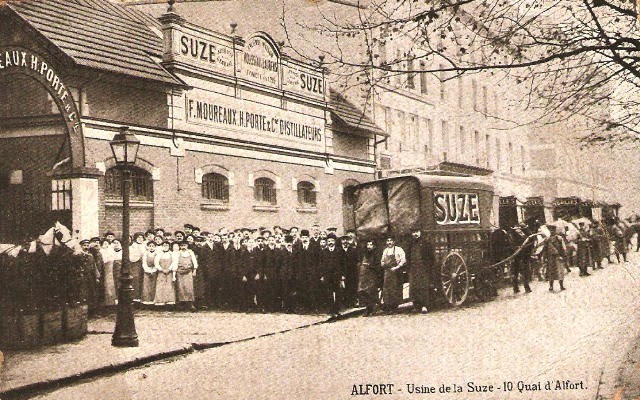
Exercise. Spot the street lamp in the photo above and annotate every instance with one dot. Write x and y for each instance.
(125, 151)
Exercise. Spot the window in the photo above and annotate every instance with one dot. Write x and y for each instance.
(215, 187)
(429, 139)
(484, 100)
(487, 150)
(306, 194)
(498, 154)
(474, 94)
(523, 160)
(141, 185)
(463, 143)
(60, 194)
(510, 155)
(424, 87)
(411, 75)
(476, 140)
(413, 131)
(402, 130)
(442, 82)
(385, 162)
(460, 91)
(264, 191)
(445, 139)
(387, 125)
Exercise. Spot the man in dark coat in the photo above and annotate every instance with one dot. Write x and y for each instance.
(269, 274)
(333, 275)
(226, 253)
(287, 273)
(209, 260)
(350, 269)
(247, 271)
(421, 262)
(306, 277)
(91, 277)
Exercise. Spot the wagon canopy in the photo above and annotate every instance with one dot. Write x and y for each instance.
(431, 202)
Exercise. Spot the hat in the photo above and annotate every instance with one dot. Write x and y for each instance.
(285, 231)
(109, 233)
(276, 227)
(84, 241)
(159, 229)
(332, 229)
(176, 233)
(183, 242)
(186, 226)
(150, 231)
(205, 233)
(332, 236)
(265, 231)
(354, 231)
(288, 239)
(245, 230)
(304, 232)
(345, 237)
(94, 239)
(199, 239)
(195, 228)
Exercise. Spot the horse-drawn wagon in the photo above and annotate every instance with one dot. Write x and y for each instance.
(453, 213)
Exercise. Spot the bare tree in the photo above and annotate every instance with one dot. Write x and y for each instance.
(568, 57)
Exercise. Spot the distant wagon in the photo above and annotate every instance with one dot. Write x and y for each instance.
(453, 213)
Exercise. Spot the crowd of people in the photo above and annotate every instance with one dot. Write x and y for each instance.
(242, 269)
(562, 250)
(300, 270)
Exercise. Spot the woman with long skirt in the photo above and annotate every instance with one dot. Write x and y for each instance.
(108, 256)
(150, 274)
(165, 264)
(187, 266)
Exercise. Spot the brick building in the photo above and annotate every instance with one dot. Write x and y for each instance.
(233, 131)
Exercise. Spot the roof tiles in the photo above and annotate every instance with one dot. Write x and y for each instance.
(98, 34)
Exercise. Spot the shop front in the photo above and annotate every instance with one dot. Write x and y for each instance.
(233, 132)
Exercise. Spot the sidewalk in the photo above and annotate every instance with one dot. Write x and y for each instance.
(162, 334)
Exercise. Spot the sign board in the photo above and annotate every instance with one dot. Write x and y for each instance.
(260, 62)
(454, 208)
(304, 81)
(204, 51)
(257, 122)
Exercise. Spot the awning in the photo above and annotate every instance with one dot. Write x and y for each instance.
(350, 116)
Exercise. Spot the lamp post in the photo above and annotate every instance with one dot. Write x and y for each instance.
(125, 151)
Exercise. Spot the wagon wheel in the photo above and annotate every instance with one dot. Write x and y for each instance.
(455, 279)
(484, 289)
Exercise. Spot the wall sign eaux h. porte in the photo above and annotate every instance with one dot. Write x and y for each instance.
(455, 208)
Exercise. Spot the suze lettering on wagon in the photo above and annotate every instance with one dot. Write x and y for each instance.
(452, 208)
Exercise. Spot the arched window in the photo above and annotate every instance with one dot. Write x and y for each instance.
(264, 190)
(215, 187)
(141, 184)
(306, 194)
(349, 196)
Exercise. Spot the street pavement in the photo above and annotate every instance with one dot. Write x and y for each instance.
(162, 334)
(542, 345)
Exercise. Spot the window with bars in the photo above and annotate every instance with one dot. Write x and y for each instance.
(141, 185)
(60, 194)
(264, 192)
(306, 194)
(215, 187)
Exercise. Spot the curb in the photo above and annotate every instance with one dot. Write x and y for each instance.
(47, 385)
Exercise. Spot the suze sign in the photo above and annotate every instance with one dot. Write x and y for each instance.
(455, 208)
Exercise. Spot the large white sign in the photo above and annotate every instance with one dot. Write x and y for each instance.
(303, 80)
(259, 62)
(256, 121)
(454, 208)
(204, 51)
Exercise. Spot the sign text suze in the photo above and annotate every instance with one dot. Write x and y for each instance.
(454, 208)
